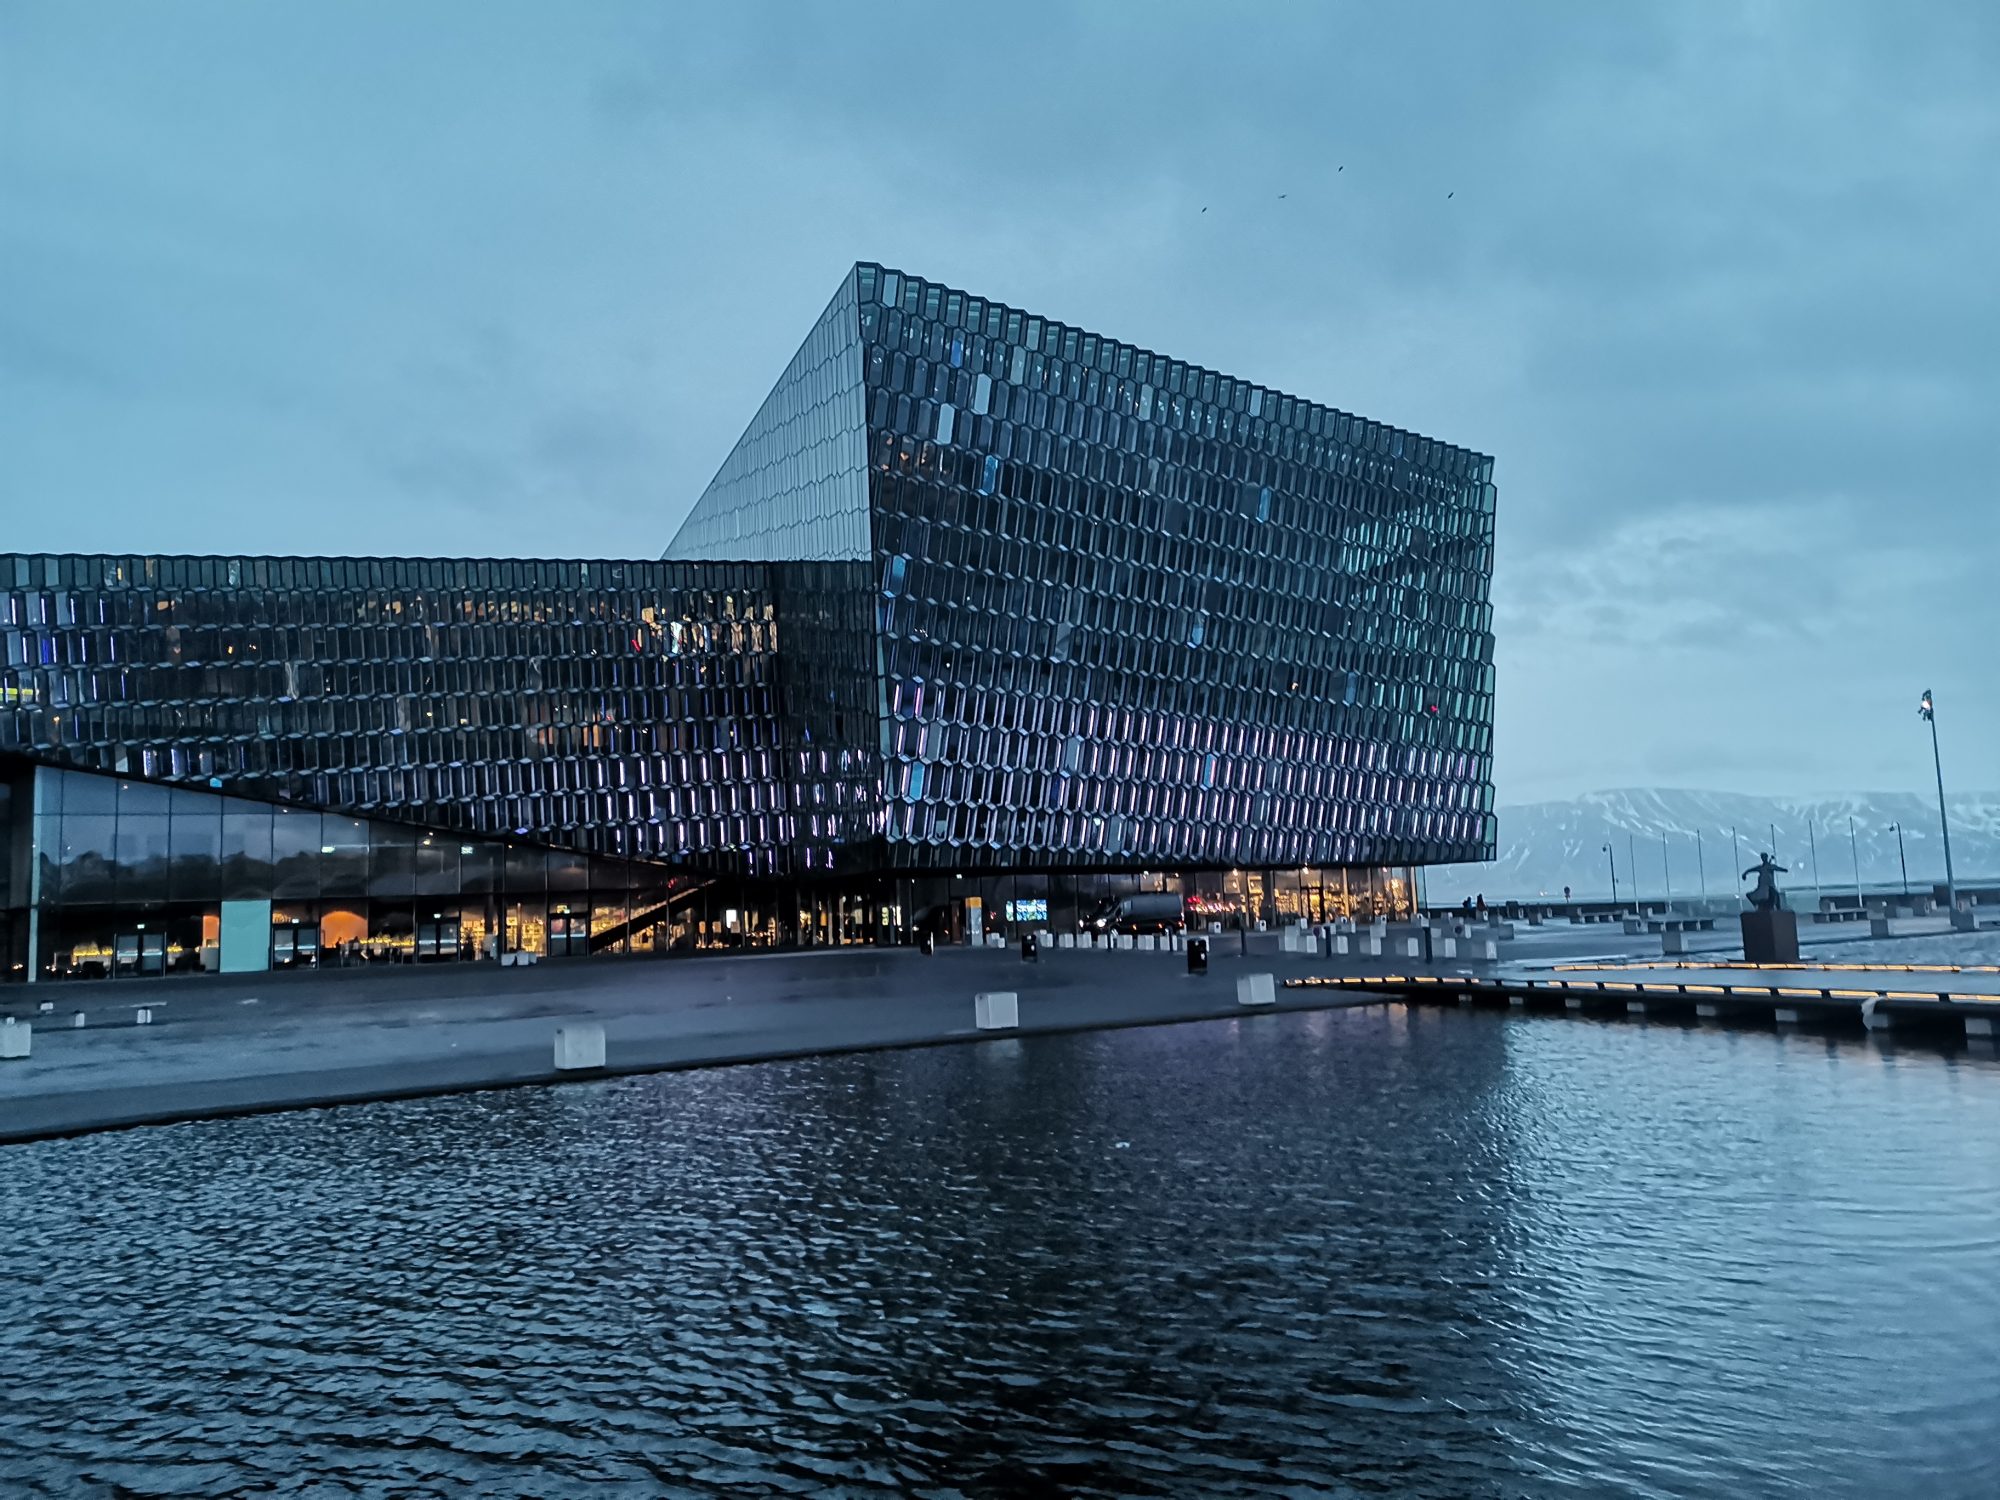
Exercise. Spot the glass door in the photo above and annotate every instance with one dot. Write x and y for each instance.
(569, 933)
(138, 954)
(294, 947)
(437, 939)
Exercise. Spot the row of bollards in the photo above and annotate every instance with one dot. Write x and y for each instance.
(17, 1038)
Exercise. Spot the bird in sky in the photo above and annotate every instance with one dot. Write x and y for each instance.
(1447, 195)
(1204, 208)
(1284, 195)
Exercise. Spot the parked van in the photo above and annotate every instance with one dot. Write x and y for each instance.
(1153, 911)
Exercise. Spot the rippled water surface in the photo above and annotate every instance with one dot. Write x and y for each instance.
(1362, 1252)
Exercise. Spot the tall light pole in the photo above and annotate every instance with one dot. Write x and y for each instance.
(1812, 847)
(1700, 867)
(1929, 711)
(1614, 873)
(1666, 872)
(1632, 866)
(1855, 849)
(1736, 860)
(1900, 858)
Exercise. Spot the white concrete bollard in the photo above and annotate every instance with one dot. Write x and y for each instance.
(47, 1006)
(142, 1016)
(1483, 948)
(996, 1010)
(17, 1038)
(579, 1046)
(1371, 945)
(1635, 1007)
(1445, 947)
(76, 1021)
(1066, 940)
(1256, 989)
(1412, 947)
(1981, 1026)
(1572, 1002)
(1785, 1016)
(1341, 944)
(1706, 1011)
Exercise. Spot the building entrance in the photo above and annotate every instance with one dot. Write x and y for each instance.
(437, 939)
(569, 933)
(295, 946)
(138, 953)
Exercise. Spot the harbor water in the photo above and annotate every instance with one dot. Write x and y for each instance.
(1376, 1251)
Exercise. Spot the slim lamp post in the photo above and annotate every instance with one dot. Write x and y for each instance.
(1614, 873)
(1900, 857)
(1666, 872)
(1812, 848)
(1700, 867)
(1854, 848)
(1929, 711)
(1632, 866)
(1735, 858)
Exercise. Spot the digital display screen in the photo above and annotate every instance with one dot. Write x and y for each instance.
(1035, 910)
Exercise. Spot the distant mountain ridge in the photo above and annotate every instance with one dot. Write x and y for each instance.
(1544, 846)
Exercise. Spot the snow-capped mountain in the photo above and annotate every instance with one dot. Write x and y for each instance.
(1544, 846)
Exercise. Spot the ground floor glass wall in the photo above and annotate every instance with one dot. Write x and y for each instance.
(116, 878)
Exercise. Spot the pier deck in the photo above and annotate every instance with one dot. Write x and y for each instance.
(1943, 999)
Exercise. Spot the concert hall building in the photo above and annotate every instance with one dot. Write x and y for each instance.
(985, 621)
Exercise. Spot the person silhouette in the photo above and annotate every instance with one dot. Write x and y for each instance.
(1764, 896)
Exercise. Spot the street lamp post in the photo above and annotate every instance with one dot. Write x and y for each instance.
(1854, 848)
(1929, 711)
(1632, 866)
(1736, 859)
(1666, 873)
(1812, 847)
(1900, 859)
(1700, 867)
(1614, 873)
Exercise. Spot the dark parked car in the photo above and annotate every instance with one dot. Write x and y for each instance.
(1149, 912)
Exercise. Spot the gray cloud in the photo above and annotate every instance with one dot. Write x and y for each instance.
(1713, 283)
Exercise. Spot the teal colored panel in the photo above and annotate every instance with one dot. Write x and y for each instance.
(246, 936)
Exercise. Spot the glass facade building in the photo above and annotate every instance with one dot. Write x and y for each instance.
(980, 605)
(1130, 611)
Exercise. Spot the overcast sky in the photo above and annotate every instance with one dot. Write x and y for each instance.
(1715, 283)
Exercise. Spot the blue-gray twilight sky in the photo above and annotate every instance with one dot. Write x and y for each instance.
(1715, 282)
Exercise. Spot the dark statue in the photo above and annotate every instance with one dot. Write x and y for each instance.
(1764, 894)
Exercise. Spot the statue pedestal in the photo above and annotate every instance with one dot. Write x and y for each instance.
(1770, 937)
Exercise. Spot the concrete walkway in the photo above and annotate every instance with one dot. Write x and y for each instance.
(246, 1043)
